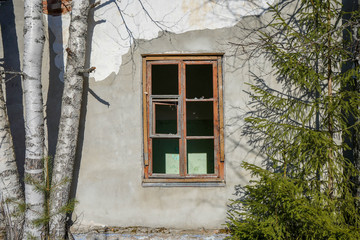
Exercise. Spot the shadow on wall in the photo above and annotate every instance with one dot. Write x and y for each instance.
(54, 11)
(11, 62)
(86, 90)
(248, 52)
(286, 121)
(58, 19)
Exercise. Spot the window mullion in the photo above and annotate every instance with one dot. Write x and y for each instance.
(182, 119)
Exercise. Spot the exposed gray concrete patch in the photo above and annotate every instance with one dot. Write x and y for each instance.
(143, 233)
(115, 236)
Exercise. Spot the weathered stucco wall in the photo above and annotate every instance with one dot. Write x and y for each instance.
(109, 188)
(112, 21)
(109, 170)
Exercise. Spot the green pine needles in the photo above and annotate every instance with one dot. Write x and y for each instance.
(307, 187)
(46, 188)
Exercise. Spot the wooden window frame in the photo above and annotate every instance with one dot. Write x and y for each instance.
(149, 102)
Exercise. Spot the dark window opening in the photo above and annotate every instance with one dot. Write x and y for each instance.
(200, 156)
(199, 81)
(199, 119)
(165, 156)
(166, 118)
(164, 79)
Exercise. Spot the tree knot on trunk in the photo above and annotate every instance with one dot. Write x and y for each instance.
(70, 53)
(88, 70)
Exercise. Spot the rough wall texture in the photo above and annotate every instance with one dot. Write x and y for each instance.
(109, 184)
(132, 233)
(109, 165)
(148, 236)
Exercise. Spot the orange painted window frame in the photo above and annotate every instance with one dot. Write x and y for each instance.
(182, 60)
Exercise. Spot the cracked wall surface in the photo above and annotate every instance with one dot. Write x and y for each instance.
(109, 188)
(109, 168)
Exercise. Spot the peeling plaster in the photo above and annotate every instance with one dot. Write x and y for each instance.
(111, 39)
(117, 24)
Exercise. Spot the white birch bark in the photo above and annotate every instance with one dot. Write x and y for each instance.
(11, 194)
(69, 120)
(34, 119)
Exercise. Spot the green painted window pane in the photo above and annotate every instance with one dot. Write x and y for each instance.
(199, 81)
(200, 156)
(199, 119)
(165, 155)
(166, 118)
(197, 163)
(171, 163)
(164, 80)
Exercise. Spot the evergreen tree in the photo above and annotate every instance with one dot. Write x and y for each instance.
(304, 189)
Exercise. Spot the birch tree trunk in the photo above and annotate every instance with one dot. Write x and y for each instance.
(34, 118)
(11, 194)
(69, 120)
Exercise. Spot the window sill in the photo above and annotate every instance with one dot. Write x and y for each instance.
(179, 183)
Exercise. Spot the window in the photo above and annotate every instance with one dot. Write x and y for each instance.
(183, 120)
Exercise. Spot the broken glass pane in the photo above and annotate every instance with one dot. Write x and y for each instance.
(199, 81)
(165, 118)
(199, 119)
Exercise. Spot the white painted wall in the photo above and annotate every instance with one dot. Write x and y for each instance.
(111, 39)
(114, 20)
